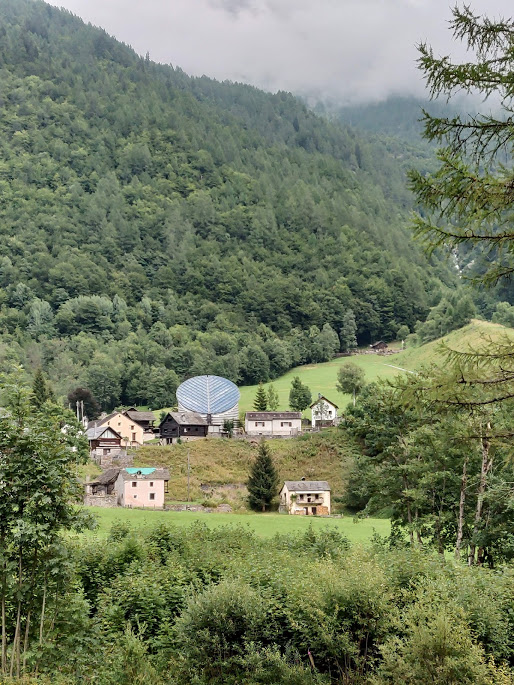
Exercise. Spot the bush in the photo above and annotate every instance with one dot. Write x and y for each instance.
(217, 627)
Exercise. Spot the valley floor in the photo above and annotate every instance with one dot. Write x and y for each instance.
(264, 525)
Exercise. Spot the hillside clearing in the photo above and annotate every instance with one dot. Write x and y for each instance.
(321, 378)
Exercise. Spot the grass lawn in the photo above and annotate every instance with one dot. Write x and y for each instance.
(264, 525)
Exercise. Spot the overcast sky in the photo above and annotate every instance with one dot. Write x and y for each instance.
(349, 50)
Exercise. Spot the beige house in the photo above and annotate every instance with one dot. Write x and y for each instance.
(269, 423)
(142, 487)
(132, 433)
(305, 497)
(323, 412)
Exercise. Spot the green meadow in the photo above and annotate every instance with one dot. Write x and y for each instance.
(321, 378)
(264, 525)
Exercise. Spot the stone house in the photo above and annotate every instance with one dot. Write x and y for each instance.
(323, 412)
(273, 423)
(186, 425)
(305, 497)
(379, 346)
(101, 491)
(142, 487)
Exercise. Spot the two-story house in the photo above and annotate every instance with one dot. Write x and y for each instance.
(305, 497)
(270, 423)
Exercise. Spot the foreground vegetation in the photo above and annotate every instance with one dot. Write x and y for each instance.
(204, 605)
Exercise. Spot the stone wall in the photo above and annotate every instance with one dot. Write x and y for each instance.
(119, 458)
(101, 500)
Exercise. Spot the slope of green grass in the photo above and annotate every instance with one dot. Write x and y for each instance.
(321, 378)
(264, 525)
(224, 465)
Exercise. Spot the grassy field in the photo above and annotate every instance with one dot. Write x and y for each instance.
(264, 525)
(321, 378)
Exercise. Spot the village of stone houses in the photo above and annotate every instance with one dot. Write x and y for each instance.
(208, 409)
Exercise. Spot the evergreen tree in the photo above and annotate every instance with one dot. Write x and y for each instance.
(263, 481)
(272, 398)
(467, 201)
(300, 396)
(261, 399)
(348, 332)
(40, 392)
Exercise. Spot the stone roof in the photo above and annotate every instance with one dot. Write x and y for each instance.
(188, 418)
(106, 478)
(136, 415)
(270, 415)
(306, 485)
(145, 474)
(102, 420)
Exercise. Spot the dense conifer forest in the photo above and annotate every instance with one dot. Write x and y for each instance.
(155, 226)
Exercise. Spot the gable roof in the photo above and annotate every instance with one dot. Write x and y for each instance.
(269, 415)
(139, 473)
(94, 432)
(187, 418)
(103, 419)
(322, 397)
(136, 415)
(306, 485)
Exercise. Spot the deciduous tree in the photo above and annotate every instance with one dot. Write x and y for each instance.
(300, 396)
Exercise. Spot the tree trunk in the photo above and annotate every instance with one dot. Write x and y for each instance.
(15, 655)
(409, 513)
(462, 502)
(487, 462)
(4, 627)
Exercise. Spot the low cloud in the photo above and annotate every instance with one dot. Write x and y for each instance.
(346, 50)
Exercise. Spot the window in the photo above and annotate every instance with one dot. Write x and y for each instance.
(133, 437)
(259, 423)
(119, 423)
(135, 496)
(286, 424)
(151, 483)
(131, 428)
(151, 495)
(134, 483)
(301, 496)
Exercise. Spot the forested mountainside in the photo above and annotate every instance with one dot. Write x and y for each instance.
(155, 226)
(397, 121)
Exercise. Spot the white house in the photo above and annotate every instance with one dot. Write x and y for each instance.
(305, 497)
(324, 412)
(280, 423)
